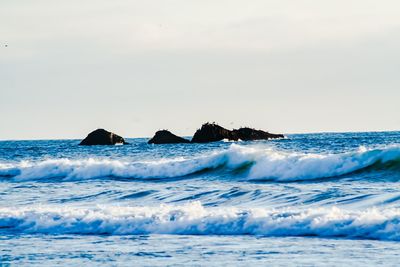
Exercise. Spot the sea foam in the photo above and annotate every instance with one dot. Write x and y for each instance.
(195, 219)
(258, 163)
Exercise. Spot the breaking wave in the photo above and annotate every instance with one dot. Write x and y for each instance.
(253, 162)
(194, 219)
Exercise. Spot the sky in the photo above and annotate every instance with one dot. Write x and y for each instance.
(134, 67)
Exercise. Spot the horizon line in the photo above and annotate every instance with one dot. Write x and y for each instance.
(138, 137)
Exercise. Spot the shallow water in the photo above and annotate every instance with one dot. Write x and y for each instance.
(307, 200)
(184, 250)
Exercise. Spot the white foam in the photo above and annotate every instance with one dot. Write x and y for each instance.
(194, 219)
(283, 166)
(94, 168)
(266, 163)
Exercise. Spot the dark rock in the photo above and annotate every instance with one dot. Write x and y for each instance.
(166, 137)
(249, 134)
(102, 137)
(211, 132)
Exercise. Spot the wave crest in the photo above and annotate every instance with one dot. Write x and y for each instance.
(258, 163)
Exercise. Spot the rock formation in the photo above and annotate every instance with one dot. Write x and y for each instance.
(249, 134)
(102, 137)
(166, 137)
(211, 132)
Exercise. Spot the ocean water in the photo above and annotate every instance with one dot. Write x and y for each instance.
(330, 199)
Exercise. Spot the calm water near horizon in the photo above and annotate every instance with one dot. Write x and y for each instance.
(330, 199)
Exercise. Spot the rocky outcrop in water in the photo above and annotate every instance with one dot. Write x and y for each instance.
(166, 137)
(102, 137)
(211, 132)
(249, 134)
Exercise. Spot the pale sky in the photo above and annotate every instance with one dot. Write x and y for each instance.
(133, 67)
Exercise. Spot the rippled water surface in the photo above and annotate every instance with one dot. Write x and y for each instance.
(312, 199)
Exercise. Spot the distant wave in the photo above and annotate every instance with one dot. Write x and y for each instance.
(194, 219)
(253, 162)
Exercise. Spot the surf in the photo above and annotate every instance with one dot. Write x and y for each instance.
(252, 163)
(195, 219)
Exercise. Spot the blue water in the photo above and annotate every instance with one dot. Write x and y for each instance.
(328, 199)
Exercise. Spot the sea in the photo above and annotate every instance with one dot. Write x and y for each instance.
(326, 199)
